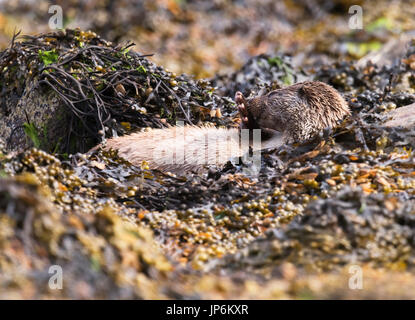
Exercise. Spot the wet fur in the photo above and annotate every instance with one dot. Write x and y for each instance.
(299, 111)
(186, 147)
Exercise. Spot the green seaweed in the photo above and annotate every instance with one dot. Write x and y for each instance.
(32, 132)
(48, 56)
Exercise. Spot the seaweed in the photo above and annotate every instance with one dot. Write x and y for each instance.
(104, 85)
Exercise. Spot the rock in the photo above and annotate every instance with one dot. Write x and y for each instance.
(402, 117)
(390, 54)
(46, 115)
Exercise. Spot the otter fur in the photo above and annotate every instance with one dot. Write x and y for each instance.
(292, 114)
(298, 112)
(181, 149)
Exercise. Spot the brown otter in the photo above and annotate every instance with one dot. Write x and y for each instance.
(298, 112)
(294, 113)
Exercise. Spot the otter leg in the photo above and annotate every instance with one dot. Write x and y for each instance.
(243, 112)
(244, 117)
(239, 98)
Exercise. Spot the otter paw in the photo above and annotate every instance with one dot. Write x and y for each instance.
(245, 124)
(243, 114)
(239, 98)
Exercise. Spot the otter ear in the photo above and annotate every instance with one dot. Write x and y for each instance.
(239, 97)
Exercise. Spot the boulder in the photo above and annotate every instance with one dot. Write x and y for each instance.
(402, 117)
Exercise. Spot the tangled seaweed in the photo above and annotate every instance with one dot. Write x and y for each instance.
(109, 89)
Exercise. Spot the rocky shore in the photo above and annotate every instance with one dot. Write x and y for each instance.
(298, 229)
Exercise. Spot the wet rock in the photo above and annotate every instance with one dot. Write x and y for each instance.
(35, 118)
(402, 117)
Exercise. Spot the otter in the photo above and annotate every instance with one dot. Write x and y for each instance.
(298, 112)
(292, 114)
(179, 148)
